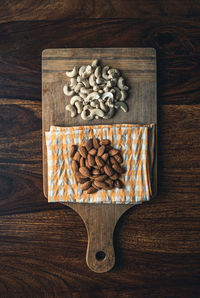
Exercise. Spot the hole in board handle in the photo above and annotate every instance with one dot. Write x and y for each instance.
(100, 255)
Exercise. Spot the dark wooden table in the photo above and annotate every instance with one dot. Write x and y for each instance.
(42, 246)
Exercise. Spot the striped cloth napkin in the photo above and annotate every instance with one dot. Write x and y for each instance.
(136, 143)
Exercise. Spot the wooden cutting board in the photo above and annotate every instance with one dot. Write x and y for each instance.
(138, 66)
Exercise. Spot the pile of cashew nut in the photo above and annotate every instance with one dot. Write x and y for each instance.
(95, 91)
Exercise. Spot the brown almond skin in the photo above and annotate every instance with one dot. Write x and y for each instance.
(100, 184)
(118, 169)
(118, 158)
(95, 143)
(82, 162)
(109, 182)
(84, 171)
(95, 186)
(99, 161)
(105, 142)
(108, 170)
(115, 176)
(73, 150)
(92, 190)
(83, 151)
(87, 165)
(101, 150)
(93, 152)
(118, 183)
(101, 177)
(102, 170)
(78, 175)
(86, 185)
(113, 161)
(82, 180)
(96, 172)
(95, 167)
(113, 152)
(108, 148)
(105, 156)
(75, 166)
(91, 160)
(89, 145)
(77, 156)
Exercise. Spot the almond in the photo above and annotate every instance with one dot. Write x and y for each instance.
(72, 151)
(82, 180)
(86, 185)
(102, 170)
(96, 172)
(84, 171)
(89, 145)
(118, 169)
(95, 167)
(92, 190)
(101, 150)
(113, 152)
(108, 170)
(95, 143)
(99, 161)
(82, 162)
(105, 142)
(118, 183)
(100, 184)
(118, 158)
(108, 148)
(113, 161)
(93, 152)
(101, 177)
(104, 156)
(87, 165)
(78, 176)
(75, 166)
(91, 160)
(109, 182)
(83, 151)
(77, 156)
(115, 176)
(95, 186)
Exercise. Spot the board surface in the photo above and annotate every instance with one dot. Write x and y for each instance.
(138, 66)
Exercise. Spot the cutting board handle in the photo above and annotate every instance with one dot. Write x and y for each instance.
(100, 221)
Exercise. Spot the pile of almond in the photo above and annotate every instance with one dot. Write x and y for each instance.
(97, 165)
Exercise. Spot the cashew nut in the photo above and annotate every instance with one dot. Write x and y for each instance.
(93, 96)
(82, 70)
(99, 81)
(72, 73)
(104, 72)
(107, 94)
(73, 82)
(109, 102)
(97, 72)
(71, 109)
(123, 95)
(95, 62)
(113, 73)
(78, 87)
(87, 72)
(92, 81)
(85, 90)
(117, 93)
(85, 82)
(67, 91)
(97, 112)
(103, 107)
(110, 113)
(74, 99)
(86, 113)
(79, 106)
(82, 95)
(122, 106)
(121, 85)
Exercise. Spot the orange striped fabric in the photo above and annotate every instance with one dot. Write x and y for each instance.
(136, 143)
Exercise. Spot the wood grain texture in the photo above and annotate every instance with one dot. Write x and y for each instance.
(138, 66)
(42, 246)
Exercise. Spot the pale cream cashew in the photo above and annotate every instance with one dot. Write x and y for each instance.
(78, 87)
(123, 95)
(103, 107)
(122, 106)
(85, 82)
(96, 87)
(79, 106)
(92, 81)
(73, 83)
(117, 93)
(120, 84)
(106, 89)
(100, 81)
(86, 113)
(104, 72)
(85, 90)
(97, 112)
(82, 95)
(67, 91)
(95, 63)
(72, 110)
(87, 72)
(93, 104)
(107, 95)
(113, 73)
(111, 83)
(109, 102)
(97, 72)
(82, 70)
(110, 113)
(93, 96)
(100, 91)
(74, 99)
(72, 73)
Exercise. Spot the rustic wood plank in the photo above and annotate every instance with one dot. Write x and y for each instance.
(54, 10)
